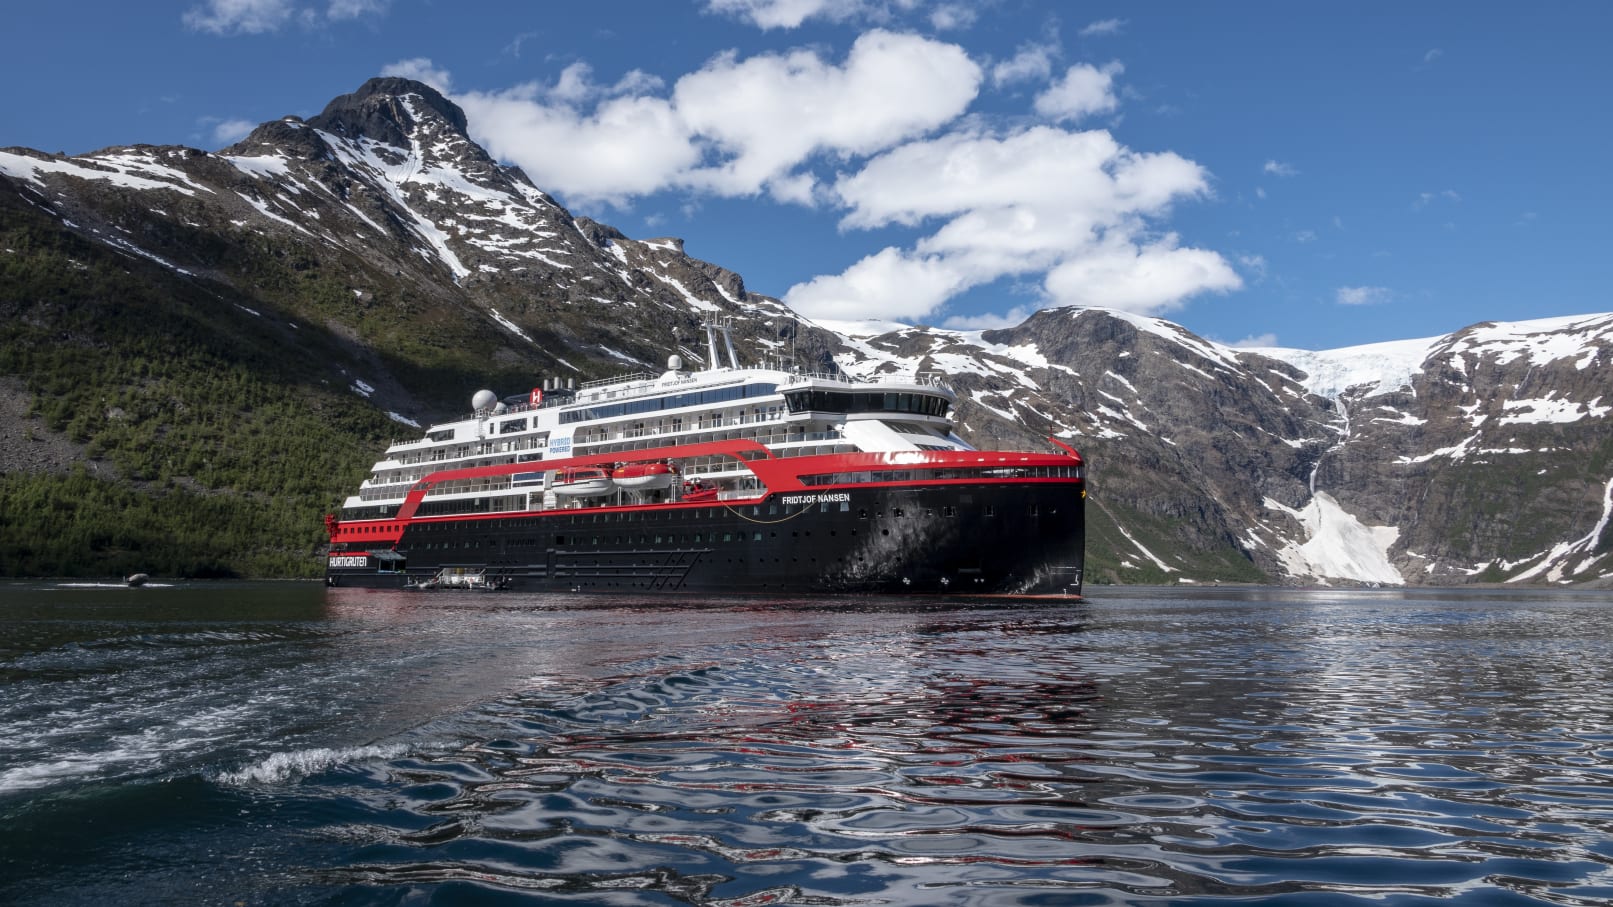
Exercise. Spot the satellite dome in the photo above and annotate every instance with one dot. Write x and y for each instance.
(674, 363)
(484, 399)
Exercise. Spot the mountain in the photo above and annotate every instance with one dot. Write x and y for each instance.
(200, 353)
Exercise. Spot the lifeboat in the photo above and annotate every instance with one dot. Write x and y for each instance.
(583, 482)
(643, 476)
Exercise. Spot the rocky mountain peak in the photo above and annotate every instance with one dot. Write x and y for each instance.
(388, 110)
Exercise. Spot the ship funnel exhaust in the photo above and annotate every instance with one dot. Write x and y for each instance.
(711, 346)
(728, 340)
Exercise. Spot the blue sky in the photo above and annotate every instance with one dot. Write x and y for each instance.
(1292, 173)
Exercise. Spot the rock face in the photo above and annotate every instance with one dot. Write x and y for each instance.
(1491, 452)
(431, 269)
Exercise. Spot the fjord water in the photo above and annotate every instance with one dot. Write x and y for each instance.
(288, 744)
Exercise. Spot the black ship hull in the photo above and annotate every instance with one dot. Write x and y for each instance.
(991, 538)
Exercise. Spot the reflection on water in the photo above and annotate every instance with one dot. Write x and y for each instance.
(1149, 746)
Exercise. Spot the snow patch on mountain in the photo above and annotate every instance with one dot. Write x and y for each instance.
(511, 326)
(1337, 545)
(1551, 410)
(1555, 565)
(1541, 340)
(120, 172)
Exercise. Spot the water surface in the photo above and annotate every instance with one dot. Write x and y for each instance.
(283, 743)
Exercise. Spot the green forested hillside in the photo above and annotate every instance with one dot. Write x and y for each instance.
(217, 429)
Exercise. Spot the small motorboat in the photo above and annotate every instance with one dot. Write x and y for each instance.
(698, 490)
(137, 579)
(583, 482)
(643, 476)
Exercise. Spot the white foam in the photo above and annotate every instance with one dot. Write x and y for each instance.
(282, 767)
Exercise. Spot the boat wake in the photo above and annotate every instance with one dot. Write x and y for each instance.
(279, 768)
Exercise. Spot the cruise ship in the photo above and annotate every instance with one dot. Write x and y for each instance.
(719, 480)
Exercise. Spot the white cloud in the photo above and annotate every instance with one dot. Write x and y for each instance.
(766, 114)
(243, 17)
(1278, 168)
(891, 283)
(1032, 63)
(1364, 295)
(624, 147)
(1140, 278)
(352, 9)
(1103, 27)
(1069, 214)
(1084, 90)
(735, 127)
(421, 70)
(253, 17)
(1071, 206)
(1425, 198)
(229, 132)
(1255, 341)
(990, 321)
(788, 13)
(953, 16)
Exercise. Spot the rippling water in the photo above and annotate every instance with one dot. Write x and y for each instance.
(248, 744)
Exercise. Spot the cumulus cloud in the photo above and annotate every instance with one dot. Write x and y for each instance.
(1071, 216)
(736, 127)
(620, 148)
(1151, 278)
(1364, 295)
(769, 112)
(1031, 63)
(1278, 168)
(1083, 91)
(420, 69)
(951, 16)
(1072, 206)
